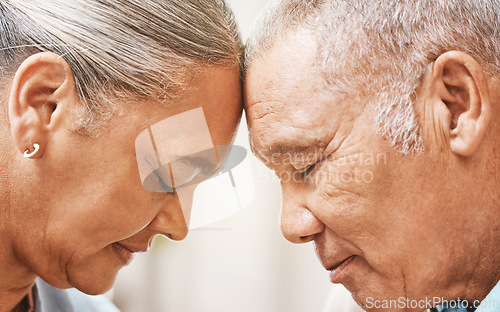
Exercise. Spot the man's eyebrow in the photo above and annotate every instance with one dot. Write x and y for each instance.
(290, 149)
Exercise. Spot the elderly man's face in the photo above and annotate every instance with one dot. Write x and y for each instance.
(384, 224)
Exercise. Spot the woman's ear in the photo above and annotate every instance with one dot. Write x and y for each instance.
(42, 91)
(460, 99)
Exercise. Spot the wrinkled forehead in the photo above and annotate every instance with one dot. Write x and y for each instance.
(280, 80)
(288, 104)
(286, 113)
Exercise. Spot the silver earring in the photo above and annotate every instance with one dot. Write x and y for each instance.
(27, 153)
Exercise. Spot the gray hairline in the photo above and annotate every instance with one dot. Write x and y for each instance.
(397, 121)
(165, 71)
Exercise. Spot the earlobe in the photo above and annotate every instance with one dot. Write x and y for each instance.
(462, 94)
(42, 84)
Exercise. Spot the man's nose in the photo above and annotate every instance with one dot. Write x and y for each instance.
(170, 221)
(298, 223)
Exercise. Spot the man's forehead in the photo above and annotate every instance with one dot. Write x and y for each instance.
(282, 143)
(288, 103)
(285, 70)
(283, 89)
(290, 128)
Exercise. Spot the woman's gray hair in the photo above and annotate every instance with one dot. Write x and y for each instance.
(121, 48)
(385, 47)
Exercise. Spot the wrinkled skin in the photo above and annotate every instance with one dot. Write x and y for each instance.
(418, 226)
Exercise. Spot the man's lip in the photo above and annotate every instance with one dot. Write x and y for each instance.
(337, 264)
(339, 271)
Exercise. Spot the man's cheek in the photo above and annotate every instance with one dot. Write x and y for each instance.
(337, 206)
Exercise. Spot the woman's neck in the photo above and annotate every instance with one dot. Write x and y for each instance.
(16, 281)
(10, 299)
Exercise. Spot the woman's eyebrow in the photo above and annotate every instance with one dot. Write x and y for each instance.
(197, 161)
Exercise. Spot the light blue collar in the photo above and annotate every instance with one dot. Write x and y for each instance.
(453, 306)
(490, 304)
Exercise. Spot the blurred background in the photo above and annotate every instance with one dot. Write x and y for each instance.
(240, 264)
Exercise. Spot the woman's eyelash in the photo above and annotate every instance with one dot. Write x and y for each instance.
(168, 190)
(309, 170)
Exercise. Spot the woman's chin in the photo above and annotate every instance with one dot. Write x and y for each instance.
(95, 286)
(92, 284)
(94, 291)
(92, 280)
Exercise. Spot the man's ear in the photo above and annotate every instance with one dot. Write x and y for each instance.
(42, 91)
(460, 90)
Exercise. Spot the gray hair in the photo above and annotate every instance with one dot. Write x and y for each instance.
(121, 48)
(385, 46)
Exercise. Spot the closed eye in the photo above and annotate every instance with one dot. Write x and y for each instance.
(169, 190)
(309, 170)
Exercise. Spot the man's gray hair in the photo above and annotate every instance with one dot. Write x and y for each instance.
(385, 47)
(121, 48)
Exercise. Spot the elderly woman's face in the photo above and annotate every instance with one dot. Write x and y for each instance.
(92, 210)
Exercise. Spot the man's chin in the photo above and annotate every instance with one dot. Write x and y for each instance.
(370, 300)
(360, 300)
(371, 303)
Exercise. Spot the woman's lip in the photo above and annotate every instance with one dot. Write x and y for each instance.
(123, 253)
(340, 272)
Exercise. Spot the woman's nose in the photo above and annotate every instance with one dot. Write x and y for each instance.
(170, 221)
(298, 223)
